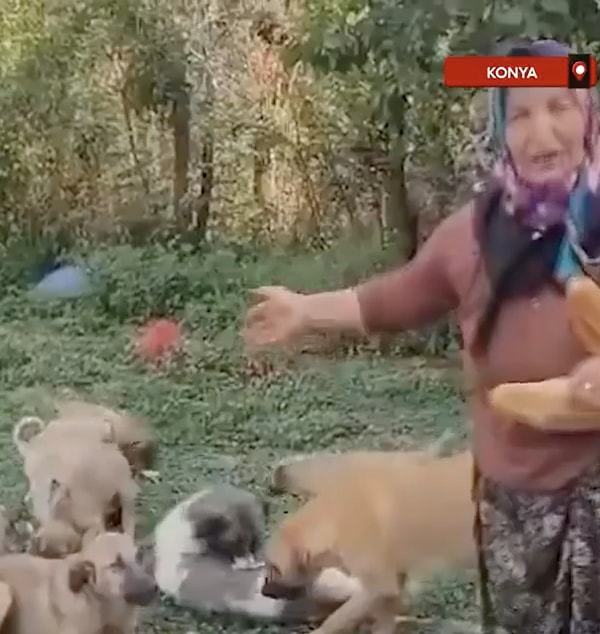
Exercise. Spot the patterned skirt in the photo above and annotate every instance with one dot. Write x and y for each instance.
(540, 558)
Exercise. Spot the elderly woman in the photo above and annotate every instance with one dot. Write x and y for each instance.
(500, 264)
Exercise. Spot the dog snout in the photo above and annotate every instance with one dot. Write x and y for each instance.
(275, 590)
(139, 588)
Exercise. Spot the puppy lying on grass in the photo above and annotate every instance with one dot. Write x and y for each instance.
(383, 517)
(77, 487)
(97, 590)
(206, 555)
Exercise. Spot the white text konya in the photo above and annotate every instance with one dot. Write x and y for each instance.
(511, 72)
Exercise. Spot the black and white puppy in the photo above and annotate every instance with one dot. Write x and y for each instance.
(228, 523)
(205, 556)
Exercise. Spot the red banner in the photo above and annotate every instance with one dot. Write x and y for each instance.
(475, 71)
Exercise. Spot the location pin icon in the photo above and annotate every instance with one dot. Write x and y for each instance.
(579, 71)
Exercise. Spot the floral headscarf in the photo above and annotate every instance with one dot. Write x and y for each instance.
(540, 206)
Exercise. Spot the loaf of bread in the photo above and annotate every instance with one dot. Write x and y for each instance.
(548, 405)
(584, 384)
(567, 403)
(583, 308)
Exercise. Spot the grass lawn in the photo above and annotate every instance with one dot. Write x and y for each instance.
(215, 422)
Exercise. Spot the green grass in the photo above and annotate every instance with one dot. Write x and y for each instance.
(214, 421)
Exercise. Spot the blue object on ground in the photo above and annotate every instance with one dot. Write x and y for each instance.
(44, 268)
(67, 282)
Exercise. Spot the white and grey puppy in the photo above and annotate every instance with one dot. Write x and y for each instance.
(205, 556)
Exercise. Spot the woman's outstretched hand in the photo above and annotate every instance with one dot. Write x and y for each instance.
(277, 317)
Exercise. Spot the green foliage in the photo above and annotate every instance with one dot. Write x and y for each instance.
(54, 128)
(215, 420)
(207, 288)
(396, 49)
(139, 283)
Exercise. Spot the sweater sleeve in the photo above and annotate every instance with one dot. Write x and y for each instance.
(417, 293)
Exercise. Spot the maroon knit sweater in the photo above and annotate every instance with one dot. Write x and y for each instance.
(532, 342)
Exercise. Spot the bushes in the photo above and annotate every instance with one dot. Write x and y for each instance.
(207, 289)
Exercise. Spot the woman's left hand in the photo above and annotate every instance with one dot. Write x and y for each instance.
(584, 382)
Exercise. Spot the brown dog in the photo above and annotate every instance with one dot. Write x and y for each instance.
(78, 485)
(382, 519)
(97, 590)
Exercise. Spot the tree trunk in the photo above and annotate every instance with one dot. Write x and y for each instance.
(207, 178)
(400, 218)
(262, 161)
(181, 150)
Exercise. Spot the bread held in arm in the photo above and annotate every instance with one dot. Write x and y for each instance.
(583, 307)
(567, 403)
(561, 404)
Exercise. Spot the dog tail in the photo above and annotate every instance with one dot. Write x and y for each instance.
(31, 422)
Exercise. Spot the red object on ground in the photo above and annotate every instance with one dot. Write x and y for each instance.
(158, 339)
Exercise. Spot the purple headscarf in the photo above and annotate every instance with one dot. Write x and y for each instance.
(539, 206)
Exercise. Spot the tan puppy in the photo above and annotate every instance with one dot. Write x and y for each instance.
(132, 434)
(95, 591)
(79, 484)
(382, 521)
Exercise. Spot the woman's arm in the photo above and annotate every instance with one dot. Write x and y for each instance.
(411, 296)
(416, 294)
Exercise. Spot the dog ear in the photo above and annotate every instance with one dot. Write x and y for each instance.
(211, 525)
(143, 452)
(80, 573)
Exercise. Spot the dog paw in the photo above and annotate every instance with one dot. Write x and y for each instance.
(151, 476)
(246, 563)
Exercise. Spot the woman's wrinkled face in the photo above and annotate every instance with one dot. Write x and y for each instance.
(545, 129)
